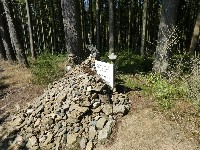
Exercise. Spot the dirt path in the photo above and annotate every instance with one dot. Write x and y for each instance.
(147, 129)
(15, 87)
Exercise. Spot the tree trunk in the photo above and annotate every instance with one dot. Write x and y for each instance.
(29, 22)
(13, 35)
(120, 26)
(5, 37)
(83, 24)
(54, 48)
(98, 26)
(111, 26)
(166, 37)
(144, 22)
(129, 25)
(91, 22)
(72, 28)
(196, 32)
(2, 50)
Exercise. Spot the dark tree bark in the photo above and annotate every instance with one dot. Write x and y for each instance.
(72, 28)
(144, 22)
(166, 37)
(5, 36)
(83, 18)
(2, 50)
(54, 48)
(13, 35)
(33, 53)
(196, 32)
(98, 26)
(111, 26)
(91, 22)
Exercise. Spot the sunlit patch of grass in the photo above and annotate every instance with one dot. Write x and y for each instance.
(164, 91)
(47, 68)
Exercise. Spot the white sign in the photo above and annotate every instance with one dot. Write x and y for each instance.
(105, 70)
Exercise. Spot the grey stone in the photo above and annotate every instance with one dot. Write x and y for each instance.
(101, 122)
(106, 131)
(29, 111)
(71, 138)
(37, 123)
(89, 145)
(96, 104)
(89, 88)
(107, 109)
(49, 138)
(17, 121)
(92, 132)
(62, 132)
(119, 109)
(31, 142)
(39, 109)
(83, 143)
(18, 140)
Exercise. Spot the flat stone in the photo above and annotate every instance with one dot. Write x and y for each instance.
(97, 110)
(37, 123)
(101, 122)
(107, 109)
(39, 109)
(17, 121)
(18, 140)
(71, 138)
(83, 143)
(89, 145)
(96, 104)
(85, 103)
(29, 111)
(119, 109)
(31, 142)
(92, 132)
(106, 131)
(62, 132)
(49, 138)
(89, 88)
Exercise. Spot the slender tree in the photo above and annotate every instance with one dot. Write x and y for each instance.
(111, 26)
(13, 35)
(5, 36)
(29, 22)
(144, 22)
(98, 25)
(2, 50)
(91, 22)
(196, 32)
(72, 28)
(166, 37)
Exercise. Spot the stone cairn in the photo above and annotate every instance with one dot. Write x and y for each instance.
(78, 108)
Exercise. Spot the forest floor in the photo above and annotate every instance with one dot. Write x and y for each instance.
(146, 127)
(15, 87)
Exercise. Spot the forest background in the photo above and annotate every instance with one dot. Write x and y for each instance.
(157, 42)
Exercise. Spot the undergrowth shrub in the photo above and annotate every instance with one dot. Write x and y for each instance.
(129, 62)
(47, 68)
(165, 90)
(193, 82)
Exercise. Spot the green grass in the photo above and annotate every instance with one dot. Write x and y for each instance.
(47, 68)
(130, 63)
(163, 90)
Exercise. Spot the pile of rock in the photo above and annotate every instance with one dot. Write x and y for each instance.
(79, 108)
